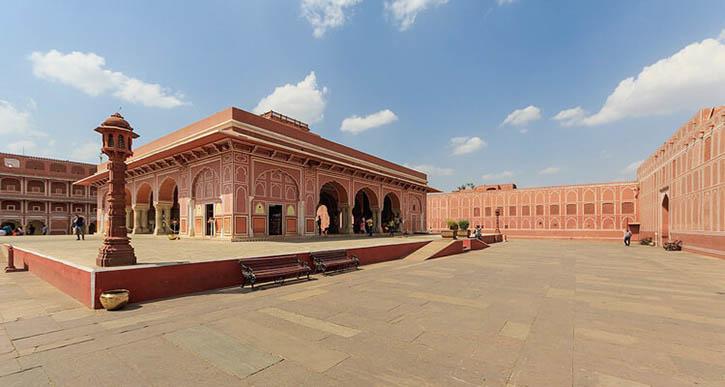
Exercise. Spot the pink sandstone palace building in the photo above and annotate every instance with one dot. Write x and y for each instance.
(37, 192)
(238, 175)
(679, 194)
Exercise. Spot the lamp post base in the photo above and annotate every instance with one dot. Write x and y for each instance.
(116, 252)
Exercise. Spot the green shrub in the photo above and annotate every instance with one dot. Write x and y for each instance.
(452, 225)
(463, 224)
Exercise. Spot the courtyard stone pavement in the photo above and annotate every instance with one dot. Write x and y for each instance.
(521, 313)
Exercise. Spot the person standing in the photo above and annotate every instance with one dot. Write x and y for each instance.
(627, 237)
(79, 225)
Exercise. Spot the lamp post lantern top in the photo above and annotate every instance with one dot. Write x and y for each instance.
(117, 136)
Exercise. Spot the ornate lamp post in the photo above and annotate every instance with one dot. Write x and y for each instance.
(117, 138)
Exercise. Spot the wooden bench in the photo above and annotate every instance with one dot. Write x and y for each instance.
(334, 260)
(267, 269)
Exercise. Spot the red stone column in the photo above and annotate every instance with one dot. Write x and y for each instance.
(117, 136)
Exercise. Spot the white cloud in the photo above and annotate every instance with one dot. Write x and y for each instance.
(632, 167)
(22, 147)
(356, 124)
(465, 145)
(325, 14)
(520, 117)
(88, 151)
(570, 117)
(303, 101)
(13, 120)
(404, 12)
(549, 171)
(431, 170)
(688, 80)
(87, 72)
(497, 176)
(722, 36)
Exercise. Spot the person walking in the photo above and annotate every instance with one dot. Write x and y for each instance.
(79, 227)
(369, 226)
(627, 237)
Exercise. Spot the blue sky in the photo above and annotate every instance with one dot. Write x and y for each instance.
(524, 91)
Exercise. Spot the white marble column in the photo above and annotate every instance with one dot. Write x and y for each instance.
(140, 217)
(377, 216)
(301, 217)
(158, 215)
(347, 211)
(190, 217)
(129, 218)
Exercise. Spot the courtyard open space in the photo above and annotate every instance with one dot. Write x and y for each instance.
(521, 313)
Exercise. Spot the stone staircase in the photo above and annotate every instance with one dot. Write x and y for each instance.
(428, 250)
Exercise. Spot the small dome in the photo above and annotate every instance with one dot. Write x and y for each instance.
(116, 120)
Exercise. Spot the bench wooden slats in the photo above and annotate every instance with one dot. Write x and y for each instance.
(267, 269)
(335, 260)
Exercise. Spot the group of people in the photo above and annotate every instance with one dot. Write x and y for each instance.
(394, 225)
(8, 230)
(366, 226)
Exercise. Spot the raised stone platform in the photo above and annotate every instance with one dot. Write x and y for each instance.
(169, 268)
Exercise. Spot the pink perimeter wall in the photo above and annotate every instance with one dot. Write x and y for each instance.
(599, 211)
(683, 186)
(679, 195)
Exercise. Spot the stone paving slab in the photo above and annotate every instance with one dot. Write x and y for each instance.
(223, 351)
(522, 313)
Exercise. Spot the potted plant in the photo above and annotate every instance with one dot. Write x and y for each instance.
(453, 226)
(463, 226)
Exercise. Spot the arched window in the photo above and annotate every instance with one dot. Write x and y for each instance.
(110, 140)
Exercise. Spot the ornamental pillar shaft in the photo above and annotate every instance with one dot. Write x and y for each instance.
(117, 136)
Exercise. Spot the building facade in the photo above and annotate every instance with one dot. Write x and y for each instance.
(576, 211)
(240, 175)
(37, 192)
(683, 185)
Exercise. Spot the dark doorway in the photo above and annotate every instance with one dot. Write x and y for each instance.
(665, 231)
(209, 214)
(275, 220)
(391, 208)
(175, 206)
(361, 211)
(151, 215)
(330, 202)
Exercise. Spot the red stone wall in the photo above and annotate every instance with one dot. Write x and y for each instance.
(600, 211)
(40, 191)
(687, 173)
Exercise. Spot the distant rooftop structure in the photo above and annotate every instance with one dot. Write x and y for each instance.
(496, 187)
(286, 120)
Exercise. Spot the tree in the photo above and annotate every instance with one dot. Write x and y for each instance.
(465, 186)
